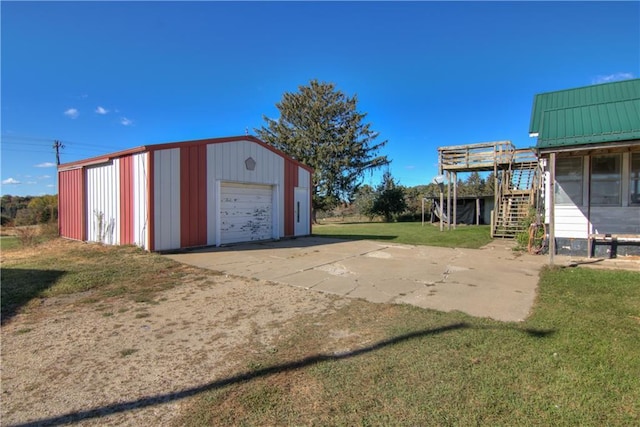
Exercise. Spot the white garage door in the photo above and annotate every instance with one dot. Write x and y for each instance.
(245, 212)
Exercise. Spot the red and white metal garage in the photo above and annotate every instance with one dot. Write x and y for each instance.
(186, 194)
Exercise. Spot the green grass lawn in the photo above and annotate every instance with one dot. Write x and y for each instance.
(8, 243)
(574, 362)
(412, 233)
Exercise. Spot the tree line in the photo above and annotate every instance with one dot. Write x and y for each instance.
(391, 201)
(28, 210)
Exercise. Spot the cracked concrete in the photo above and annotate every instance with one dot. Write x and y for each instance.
(490, 282)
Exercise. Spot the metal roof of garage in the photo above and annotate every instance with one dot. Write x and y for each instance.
(587, 115)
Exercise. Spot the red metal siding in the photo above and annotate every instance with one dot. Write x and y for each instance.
(193, 196)
(290, 183)
(71, 200)
(126, 201)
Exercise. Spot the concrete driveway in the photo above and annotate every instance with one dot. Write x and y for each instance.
(490, 282)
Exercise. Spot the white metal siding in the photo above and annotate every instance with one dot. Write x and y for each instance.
(304, 178)
(103, 203)
(245, 212)
(140, 200)
(166, 206)
(226, 163)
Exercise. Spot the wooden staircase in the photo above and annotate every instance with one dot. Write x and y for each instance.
(519, 182)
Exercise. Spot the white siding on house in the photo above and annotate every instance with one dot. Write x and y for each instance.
(103, 203)
(140, 200)
(226, 164)
(166, 205)
(571, 222)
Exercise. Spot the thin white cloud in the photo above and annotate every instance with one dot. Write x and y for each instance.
(31, 182)
(612, 78)
(50, 186)
(11, 181)
(126, 122)
(72, 113)
(46, 165)
(101, 110)
(44, 177)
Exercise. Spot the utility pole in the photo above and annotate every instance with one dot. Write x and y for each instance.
(57, 145)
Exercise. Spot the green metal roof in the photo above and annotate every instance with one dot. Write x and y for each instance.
(587, 115)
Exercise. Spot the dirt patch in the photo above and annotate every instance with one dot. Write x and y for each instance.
(132, 362)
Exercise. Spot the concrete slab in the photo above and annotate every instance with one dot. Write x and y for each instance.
(493, 282)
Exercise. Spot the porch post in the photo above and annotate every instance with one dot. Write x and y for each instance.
(552, 207)
(455, 199)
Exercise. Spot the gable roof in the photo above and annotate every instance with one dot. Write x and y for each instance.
(587, 115)
(168, 145)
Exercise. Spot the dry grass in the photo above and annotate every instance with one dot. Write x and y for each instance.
(88, 272)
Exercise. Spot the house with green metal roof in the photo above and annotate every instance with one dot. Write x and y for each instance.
(588, 140)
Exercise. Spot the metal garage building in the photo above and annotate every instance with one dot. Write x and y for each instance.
(186, 194)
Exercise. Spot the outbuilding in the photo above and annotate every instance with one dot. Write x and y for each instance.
(177, 195)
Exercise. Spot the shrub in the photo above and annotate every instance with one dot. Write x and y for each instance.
(27, 235)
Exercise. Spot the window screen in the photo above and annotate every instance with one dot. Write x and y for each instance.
(569, 180)
(634, 179)
(605, 180)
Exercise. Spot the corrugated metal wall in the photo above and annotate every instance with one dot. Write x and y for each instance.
(290, 182)
(304, 178)
(193, 196)
(166, 199)
(140, 200)
(71, 203)
(127, 204)
(103, 203)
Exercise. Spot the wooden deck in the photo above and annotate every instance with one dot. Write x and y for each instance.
(483, 157)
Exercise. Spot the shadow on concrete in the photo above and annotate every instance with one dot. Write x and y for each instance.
(248, 376)
(19, 286)
(289, 242)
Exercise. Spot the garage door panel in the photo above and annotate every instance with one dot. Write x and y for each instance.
(245, 213)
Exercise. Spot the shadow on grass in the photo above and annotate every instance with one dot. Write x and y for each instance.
(143, 402)
(19, 286)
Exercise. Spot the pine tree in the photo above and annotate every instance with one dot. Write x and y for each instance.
(389, 199)
(321, 127)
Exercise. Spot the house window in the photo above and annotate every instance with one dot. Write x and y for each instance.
(569, 180)
(634, 180)
(605, 180)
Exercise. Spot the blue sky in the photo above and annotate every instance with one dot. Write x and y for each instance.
(101, 77)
